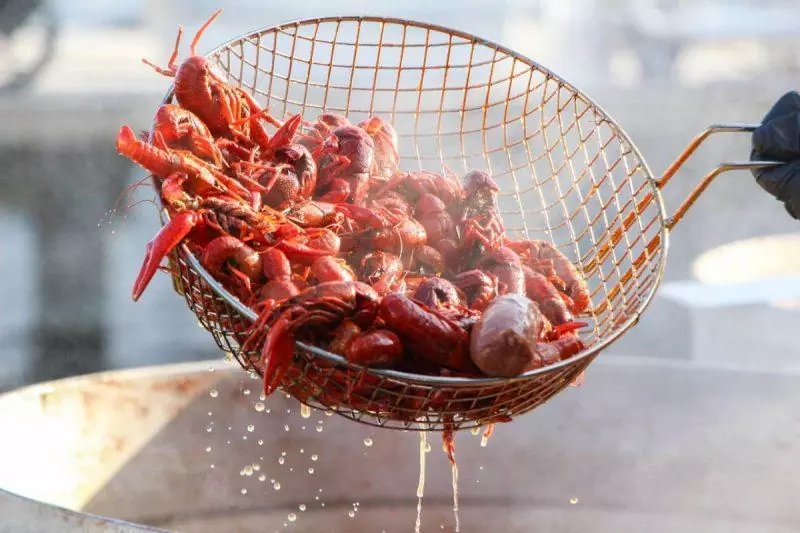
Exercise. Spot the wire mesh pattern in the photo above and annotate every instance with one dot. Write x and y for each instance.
(567, 174)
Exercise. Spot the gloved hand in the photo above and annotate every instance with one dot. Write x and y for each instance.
(778, 139)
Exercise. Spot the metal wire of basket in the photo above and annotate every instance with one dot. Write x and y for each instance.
(567, 173)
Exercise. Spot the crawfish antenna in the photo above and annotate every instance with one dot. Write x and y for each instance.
(203, 28)
(171, 68)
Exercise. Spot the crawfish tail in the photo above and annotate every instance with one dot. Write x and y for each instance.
(145, 155)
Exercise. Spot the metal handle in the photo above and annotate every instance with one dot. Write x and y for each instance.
(671, 221)
(708, 178)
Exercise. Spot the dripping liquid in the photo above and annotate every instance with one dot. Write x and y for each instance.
(423, 444)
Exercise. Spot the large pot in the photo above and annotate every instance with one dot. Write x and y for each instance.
(641, 447)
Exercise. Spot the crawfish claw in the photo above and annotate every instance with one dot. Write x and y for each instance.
(162, 244)
(277, 353)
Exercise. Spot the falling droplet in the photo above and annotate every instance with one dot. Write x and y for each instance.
(481, 467)
(305, 411)
(208, 448)
(246, 392)
(302, 507)
(213, 393)
(244, 491)
(484, 440)
(316, 498)
(314, 457)
(292, 517)
(328, 413)
(474, 431)
(248, 470)
(573, 500)
(276, 486)
(262, 477)
(209, 429)
(256, 467)
(322, 504)
(268, 411)
(310, 470)
(367, 442)
(281, 460)
(428, 448)
(212, 466)
(260, 406)
(260, 442)
(286, 427)
(283, 454)
(251, 428)
(302, 450)
(319, 428)
(351, 514)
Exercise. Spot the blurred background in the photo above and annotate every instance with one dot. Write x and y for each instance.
(71, 74)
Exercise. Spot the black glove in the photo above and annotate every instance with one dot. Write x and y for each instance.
(778, 139)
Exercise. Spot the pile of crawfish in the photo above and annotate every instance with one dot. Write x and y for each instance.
(316, 228)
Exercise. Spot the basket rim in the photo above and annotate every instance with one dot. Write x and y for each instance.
(422, 379)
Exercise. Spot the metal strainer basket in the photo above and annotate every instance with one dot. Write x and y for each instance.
(567, 172)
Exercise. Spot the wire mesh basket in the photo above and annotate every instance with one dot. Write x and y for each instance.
(567, 173)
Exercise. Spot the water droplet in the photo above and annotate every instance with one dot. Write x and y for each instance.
(484, 441)
(246, 392)
(211, 369)
(305, 411)
(314, 457)
(260, 442)
(251, 428)
(262, 477)
(302, 450)
(256, 467)
(302, 507)
(322, 504)
(213, 393)
(320, 490)
(209, 429)
(316, 498)
(212, 466)
(319, 428)
(244, 437)
(260, 406)
(208, 448)
(481, 467)
(292, 517)
(262, 396)
(268, 411)
(230, 428)
(328, 413)
(351, 514)
(288, 411)
(475, 430)
(573, 500)
(367, 442)
(283, 454)
(428, 448)
(477, 481)
(209, 413)
(281, 460)
(302, 428)
(248, 470)
(276, 486)
(286, 427)
(310, 470)
(244, 491)
(291, 469)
